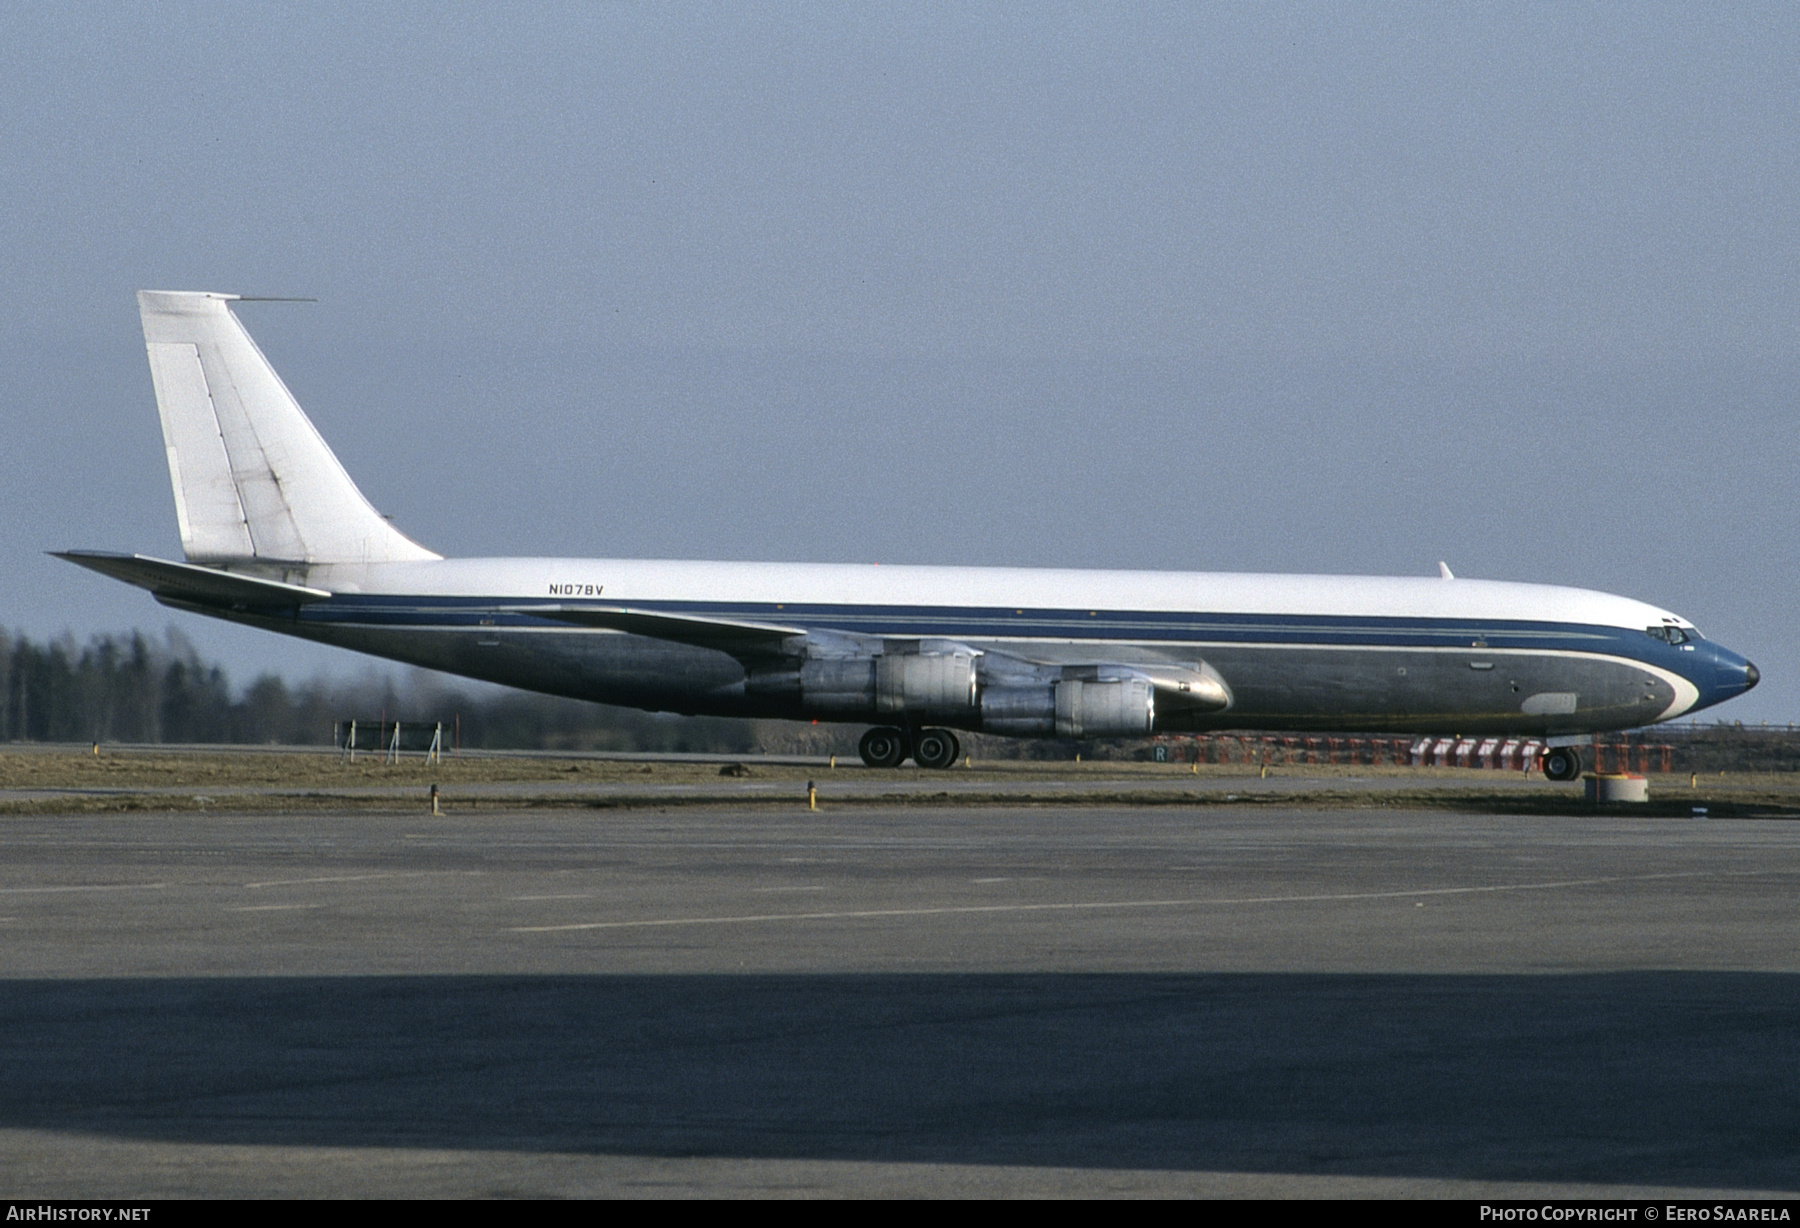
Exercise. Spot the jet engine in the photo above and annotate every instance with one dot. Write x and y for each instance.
(1072, 708)
(927, 685)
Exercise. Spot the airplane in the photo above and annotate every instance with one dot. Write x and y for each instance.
(276, 535)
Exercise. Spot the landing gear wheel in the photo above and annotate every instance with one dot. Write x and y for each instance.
(883, 747)
(1562, 763)
(936, 748)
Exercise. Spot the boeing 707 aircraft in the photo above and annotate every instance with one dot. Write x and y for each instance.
(277, 536)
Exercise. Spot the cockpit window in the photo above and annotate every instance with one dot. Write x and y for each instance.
(1668, 634)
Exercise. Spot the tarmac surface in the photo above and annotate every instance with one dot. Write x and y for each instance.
(839, 785)
(1052, 1000)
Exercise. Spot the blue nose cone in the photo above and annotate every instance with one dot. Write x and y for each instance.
(1720, 674)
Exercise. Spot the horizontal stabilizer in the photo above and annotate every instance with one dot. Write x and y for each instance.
(740, 639)
(196, 585)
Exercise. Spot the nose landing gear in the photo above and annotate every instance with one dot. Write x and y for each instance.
(1561, 763)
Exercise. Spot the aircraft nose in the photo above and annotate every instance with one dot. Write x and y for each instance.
(1720, 674)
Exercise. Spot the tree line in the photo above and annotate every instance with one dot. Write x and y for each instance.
(135, 687)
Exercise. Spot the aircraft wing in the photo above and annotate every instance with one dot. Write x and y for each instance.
(195, 585)
(1188, 686)
(739, 639)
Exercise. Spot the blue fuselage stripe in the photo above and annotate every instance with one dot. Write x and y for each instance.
(978, 623)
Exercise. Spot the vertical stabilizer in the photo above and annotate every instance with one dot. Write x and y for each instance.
(253, 478)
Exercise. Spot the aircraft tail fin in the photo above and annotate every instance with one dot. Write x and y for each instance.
(253, 477)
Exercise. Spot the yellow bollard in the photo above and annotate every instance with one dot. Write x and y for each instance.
(1265, 771)
(834, 763)
(96, 750)
(434, 800)
(1196, 767)
(812, 796)
(1694, 780)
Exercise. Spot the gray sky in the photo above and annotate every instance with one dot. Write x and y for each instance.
(1288, 288)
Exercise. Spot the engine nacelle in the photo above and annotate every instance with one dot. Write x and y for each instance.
(926, 683)
(1023, 711)
(1072, 708)
(938, 685)
(1125, 708)
(838, 687)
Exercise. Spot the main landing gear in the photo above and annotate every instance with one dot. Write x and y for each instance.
(1561, 763)
(886, 747)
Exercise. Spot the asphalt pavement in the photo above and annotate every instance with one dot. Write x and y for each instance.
(908, 1000)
